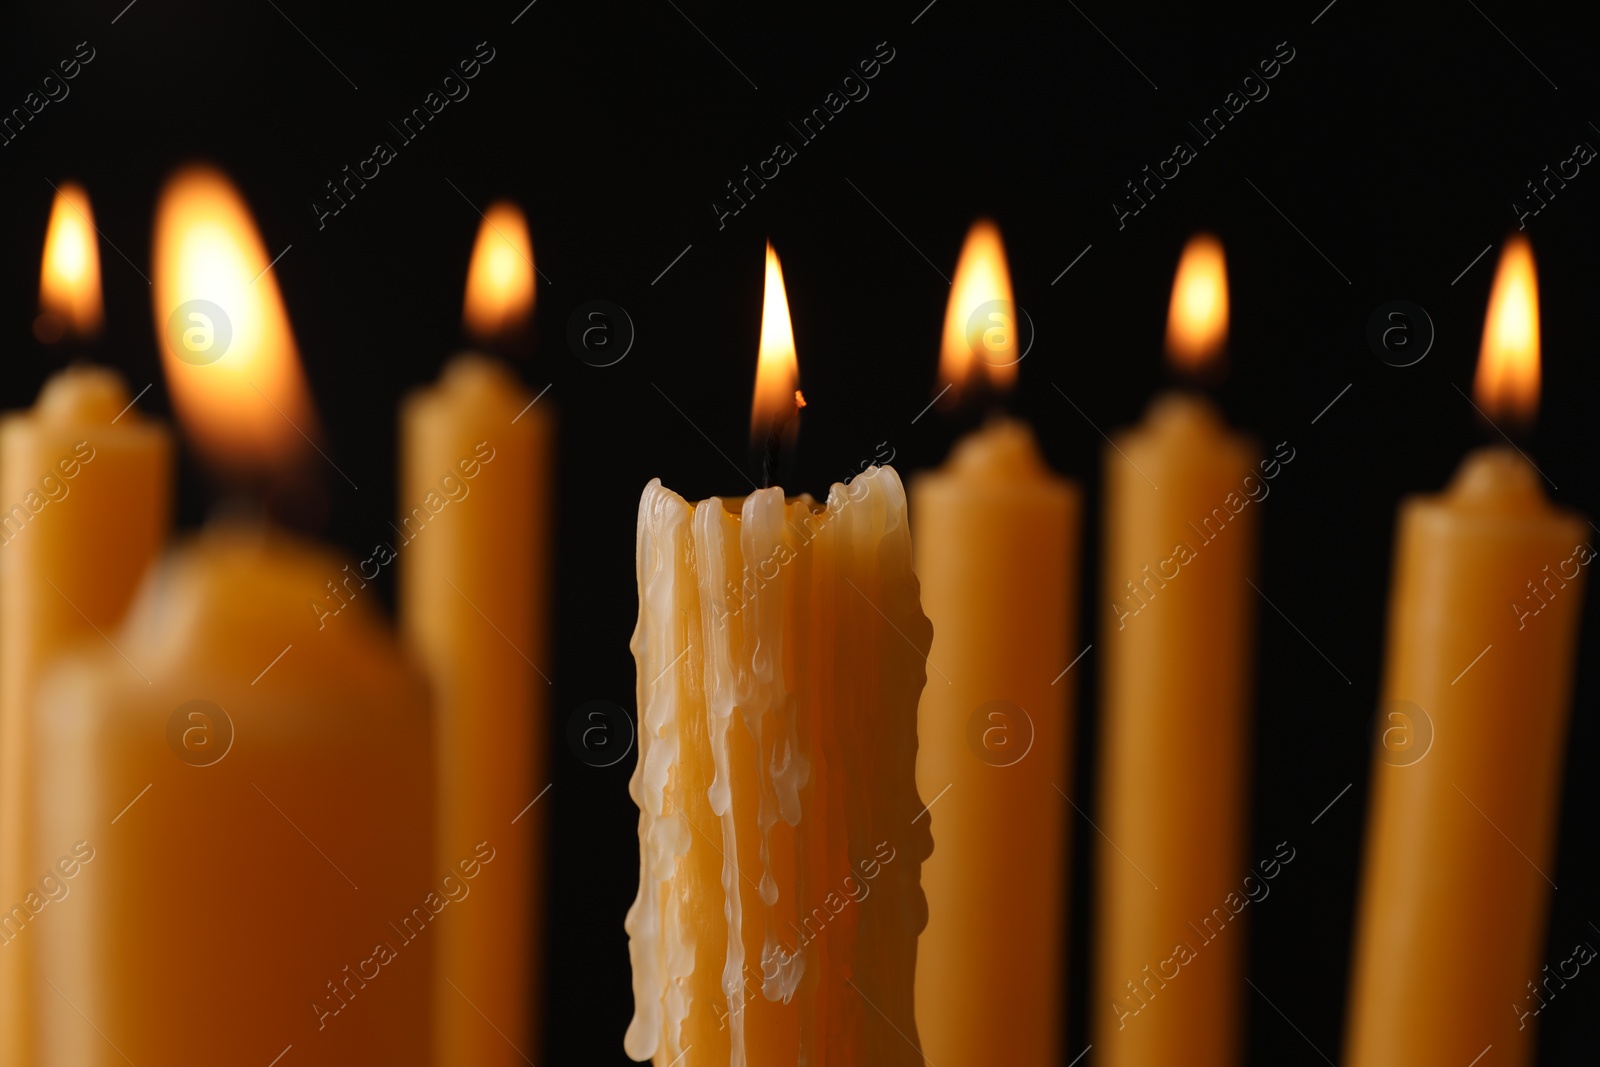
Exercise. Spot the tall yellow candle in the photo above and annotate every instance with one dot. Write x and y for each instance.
(473, 541)
(997, 555)
(79, 464)
(236, 791)
(780, 651)
(1180, 549)
(1483, 619)
(475, 485)
(87, 507)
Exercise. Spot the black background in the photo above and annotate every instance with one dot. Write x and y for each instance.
(1395, 141)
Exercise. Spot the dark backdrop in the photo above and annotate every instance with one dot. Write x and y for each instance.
(1385, 159)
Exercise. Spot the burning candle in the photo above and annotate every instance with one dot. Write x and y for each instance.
(780, 650)
(1483, 622)
(997, 554)
(1180, 548)
(474, 545)
(246, 794)
(80, 463)
(70, 303)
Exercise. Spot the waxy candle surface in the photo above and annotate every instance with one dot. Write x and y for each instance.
(472, 541)
(781, 650)
(231, 901)
(85, 483)
(1483, 618)
(997, 553)
(1180, 549)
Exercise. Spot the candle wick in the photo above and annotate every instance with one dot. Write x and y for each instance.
(772, 448)
(769, 455)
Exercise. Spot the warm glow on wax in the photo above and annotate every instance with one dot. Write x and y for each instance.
(1197, 321)
(229, 354)
(69, 277)
(1507, 383)
(500, 279)
(980, 326)
(777, 397)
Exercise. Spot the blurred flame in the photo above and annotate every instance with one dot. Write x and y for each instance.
(972, 330)
(246, 406)
(1507, 383)
(500, 279)
(777, 395)
(69, 277)
(1197, 320)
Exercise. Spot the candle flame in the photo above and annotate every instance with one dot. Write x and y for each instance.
(500, 278)
(1197, 320)
(777, 394)
(69, 277)
(1507, 384)
(227, 349)
(980, 319)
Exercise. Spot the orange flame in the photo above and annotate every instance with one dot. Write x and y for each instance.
(227, 348)
(980, 319)
(500, 278)
(69, 277)
(777, 395)
(1197, 320)
(1507, 384)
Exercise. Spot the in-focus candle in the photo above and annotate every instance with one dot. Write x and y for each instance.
(781, 650)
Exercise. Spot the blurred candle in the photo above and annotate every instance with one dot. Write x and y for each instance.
(80, 464)
(997, 537)
(473, 540)
(780, 651)
(69, 277)
(1483, 620)
(1180, 546)
(239, 794)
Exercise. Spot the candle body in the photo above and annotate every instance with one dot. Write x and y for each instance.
(248, 873)
(780, 653)
(1451, 920)
(86, 505)
(997, 540)
(1180, 549)
(473, 547)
